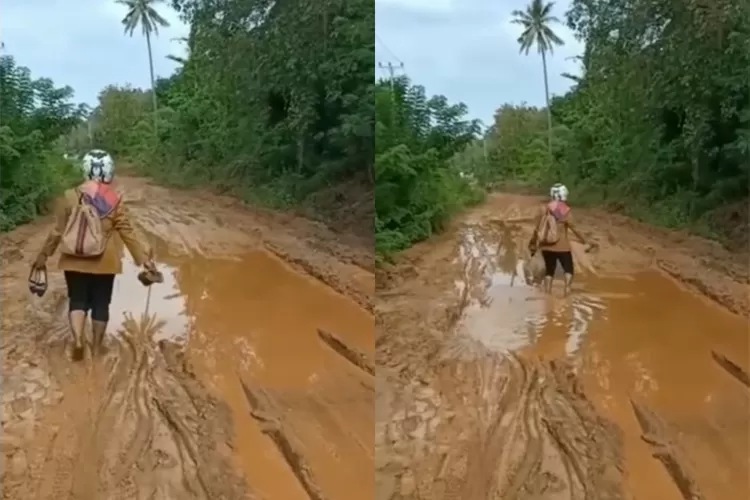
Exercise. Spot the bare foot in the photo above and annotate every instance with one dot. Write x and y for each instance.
(77, 352)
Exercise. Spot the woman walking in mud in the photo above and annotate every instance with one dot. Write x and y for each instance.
(87, 218)
(550, 236)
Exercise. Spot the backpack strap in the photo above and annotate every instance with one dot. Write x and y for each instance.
(540, 223)
(78, 195)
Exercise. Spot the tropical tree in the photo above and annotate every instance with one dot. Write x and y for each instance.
(143, 13)
(536, 21)
(181, 60)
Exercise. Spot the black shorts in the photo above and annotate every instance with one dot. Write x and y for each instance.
(552, 258)
(90, 292)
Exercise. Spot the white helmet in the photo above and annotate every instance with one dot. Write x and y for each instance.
(558, 192)
(99, 166)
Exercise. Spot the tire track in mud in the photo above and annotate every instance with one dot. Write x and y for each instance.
(265, 411)
(480, 425)
(352, 355)
(657, 434)
(512, 428)
(101, 442)
(534, 432)
(732, 368)
(268, 412)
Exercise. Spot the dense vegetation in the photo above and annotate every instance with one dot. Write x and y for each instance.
(273, 102)
(34, 114)
(657, 125)
(417, 188)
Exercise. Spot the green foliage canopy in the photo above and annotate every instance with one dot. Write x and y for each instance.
(273, 102)
(658, 122)
(34, 114)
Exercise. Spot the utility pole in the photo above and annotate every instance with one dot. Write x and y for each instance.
(391, 70)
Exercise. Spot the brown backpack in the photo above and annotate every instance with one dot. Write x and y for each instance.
(83, 235)
(547, 231)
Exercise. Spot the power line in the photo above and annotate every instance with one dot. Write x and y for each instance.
(377, 37)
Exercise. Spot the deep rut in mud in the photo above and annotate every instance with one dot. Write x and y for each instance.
(490, 390)
(247, 378)
(126, 428)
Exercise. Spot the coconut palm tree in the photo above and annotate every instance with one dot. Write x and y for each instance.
(143, 13)
(178, 59)
(536, 21)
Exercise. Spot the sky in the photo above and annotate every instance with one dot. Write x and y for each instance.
(467, 51)
(463, 49)
(85, 47)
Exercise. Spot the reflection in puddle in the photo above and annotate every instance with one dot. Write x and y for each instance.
(584, 308)
(506, 312)
(166, 301)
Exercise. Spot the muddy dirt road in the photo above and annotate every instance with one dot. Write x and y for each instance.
(633, 387)
(250, 376)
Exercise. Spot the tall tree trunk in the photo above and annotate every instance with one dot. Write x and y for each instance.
(549, 110)
(153, 84)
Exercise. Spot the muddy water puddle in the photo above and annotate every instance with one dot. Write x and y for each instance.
(504, 311)
(656, 349)
(640, 338)
(251, 324)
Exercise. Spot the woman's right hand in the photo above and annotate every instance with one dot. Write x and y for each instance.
(40, 262)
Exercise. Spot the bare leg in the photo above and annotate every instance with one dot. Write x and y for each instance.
(568, 283)
(77, 322)
(548, 284)
(98, 329)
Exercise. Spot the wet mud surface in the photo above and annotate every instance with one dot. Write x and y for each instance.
(635, 386)
(247, 374)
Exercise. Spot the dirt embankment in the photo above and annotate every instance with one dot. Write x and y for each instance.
(489, 390)
(348, 208)
(240, 377)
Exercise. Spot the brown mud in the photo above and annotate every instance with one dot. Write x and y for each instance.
(217, 384)
(633, 387)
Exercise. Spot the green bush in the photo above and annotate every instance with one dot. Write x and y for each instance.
(418, 189)
(32, 167)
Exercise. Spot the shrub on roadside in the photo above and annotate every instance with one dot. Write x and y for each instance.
(417, 188)
(33, 170)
